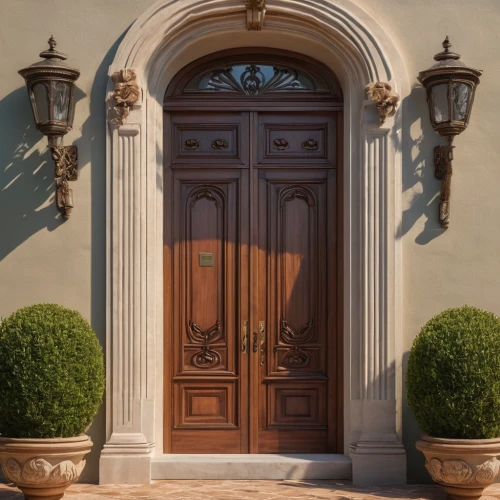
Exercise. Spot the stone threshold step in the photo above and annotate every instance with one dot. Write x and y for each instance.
(257, 466)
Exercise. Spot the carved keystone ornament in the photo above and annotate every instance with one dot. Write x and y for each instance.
(385, 100)
(256, 11)
(125, 94)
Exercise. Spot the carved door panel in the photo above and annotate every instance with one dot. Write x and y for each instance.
(250, 248)
(204, 352)
(296, 311)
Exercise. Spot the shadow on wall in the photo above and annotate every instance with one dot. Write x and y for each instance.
(27, 186)
(27, 193)
(420, 186)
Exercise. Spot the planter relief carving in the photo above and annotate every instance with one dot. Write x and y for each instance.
(38, 471)
(459, 472)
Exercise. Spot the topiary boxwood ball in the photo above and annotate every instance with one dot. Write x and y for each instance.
(453, 378)
(51, 373)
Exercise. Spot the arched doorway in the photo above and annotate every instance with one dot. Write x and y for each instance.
(354, 46)
(253, 354)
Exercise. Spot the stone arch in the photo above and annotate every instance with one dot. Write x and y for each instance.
(167, 37)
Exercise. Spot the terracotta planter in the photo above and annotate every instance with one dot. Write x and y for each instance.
(463, 466)
(43, 468)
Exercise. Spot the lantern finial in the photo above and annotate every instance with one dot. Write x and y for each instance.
(446, 54)
(446, 44)
(52, 53)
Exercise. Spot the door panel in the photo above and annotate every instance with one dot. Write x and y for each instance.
(250, 283)
(291, 138)
(294, 297)
(218, 139)
(206, 308)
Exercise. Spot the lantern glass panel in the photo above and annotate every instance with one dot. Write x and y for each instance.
(461, 98)
(61, 93)
(440, 102)
(41, 94)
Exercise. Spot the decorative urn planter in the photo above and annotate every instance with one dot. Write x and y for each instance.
(464, 467)
(43, 468)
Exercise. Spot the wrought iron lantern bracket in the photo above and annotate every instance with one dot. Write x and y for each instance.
(51, 88)
(450, 86)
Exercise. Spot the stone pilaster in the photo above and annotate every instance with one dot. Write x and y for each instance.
(127, 453)
(378, 456)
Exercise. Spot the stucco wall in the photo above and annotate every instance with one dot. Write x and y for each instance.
(44, 260)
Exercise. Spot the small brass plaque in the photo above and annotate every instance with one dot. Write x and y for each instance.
(206, 259)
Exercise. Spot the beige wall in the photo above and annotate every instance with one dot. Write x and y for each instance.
(43, 260)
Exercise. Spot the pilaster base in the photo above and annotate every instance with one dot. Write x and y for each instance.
(377, 463)
(126, 459)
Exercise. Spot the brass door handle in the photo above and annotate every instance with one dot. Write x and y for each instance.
(262, 331)
(244, 335)
(255, 348)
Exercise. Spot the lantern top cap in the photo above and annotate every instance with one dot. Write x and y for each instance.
(446, 54)
(52, 53)
(52, 63)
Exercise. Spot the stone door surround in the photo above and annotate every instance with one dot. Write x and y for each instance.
(167, 37)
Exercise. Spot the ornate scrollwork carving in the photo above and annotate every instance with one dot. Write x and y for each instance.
(281, 144)
(206, 358)
(207, 194)
(38, 471)
(253, 82)
(460, 472)
(292, 192)
(385, 100)
(310, 145)
(66, 169)
(302, 335)
(125, 94)
(208, 336)
(220, 144)
(256, 11)
(295, 358)
(191, 145)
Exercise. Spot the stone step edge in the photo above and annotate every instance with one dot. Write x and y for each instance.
(255, 466)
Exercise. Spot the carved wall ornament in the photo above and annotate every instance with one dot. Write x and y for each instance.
(66, 169)
(125, 94)
(256, 12)
(385, 100)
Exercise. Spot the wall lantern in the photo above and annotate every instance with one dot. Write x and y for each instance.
(450, 88)
(51, 87)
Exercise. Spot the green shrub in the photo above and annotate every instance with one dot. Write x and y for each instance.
(51, 373)
(453, 377)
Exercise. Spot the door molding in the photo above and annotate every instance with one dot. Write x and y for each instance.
(167, 37)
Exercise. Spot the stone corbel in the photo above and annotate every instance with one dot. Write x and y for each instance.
(385, 100)
(256, 11)
(125, 94)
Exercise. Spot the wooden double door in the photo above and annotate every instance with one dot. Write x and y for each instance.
(252, 362)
